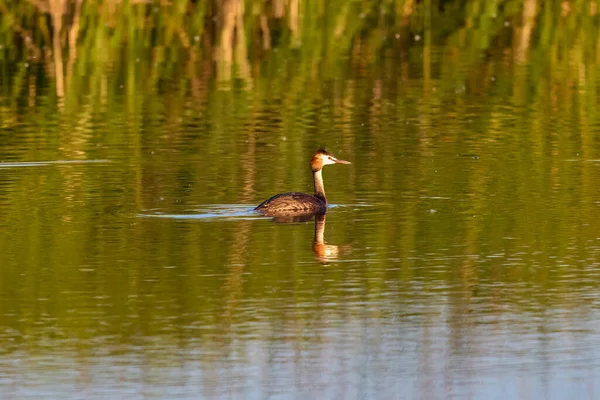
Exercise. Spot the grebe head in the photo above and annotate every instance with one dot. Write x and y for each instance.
(322, 158)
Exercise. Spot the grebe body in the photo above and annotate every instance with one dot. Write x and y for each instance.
(295, 203)
(292, 203)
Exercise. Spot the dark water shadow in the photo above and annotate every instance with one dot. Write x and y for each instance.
(27, 164)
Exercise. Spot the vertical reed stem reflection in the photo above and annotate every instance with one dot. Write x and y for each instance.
(57, 11)
(528, 23)
(427, 48)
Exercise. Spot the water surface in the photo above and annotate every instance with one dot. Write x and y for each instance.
(460, 259)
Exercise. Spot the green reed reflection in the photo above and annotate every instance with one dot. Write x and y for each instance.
(98, 46)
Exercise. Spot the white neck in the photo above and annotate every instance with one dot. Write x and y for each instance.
(319, 188)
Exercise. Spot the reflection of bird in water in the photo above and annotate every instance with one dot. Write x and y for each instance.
(296, 203)
(323, 252)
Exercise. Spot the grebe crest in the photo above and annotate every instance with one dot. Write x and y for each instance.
(296, 203)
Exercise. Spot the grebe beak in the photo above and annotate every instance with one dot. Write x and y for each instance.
(341, 161)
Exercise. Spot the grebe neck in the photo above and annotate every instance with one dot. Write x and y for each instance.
(319, 188)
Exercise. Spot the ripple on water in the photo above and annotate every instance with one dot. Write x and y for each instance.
(206, 212)
(220, 211)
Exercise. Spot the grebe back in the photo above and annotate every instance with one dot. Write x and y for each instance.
(302, 203)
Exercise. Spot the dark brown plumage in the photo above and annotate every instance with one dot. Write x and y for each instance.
(292, 203)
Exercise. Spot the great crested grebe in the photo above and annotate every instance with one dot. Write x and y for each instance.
(294, 203)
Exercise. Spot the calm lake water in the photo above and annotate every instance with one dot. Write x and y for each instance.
(460, 257)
